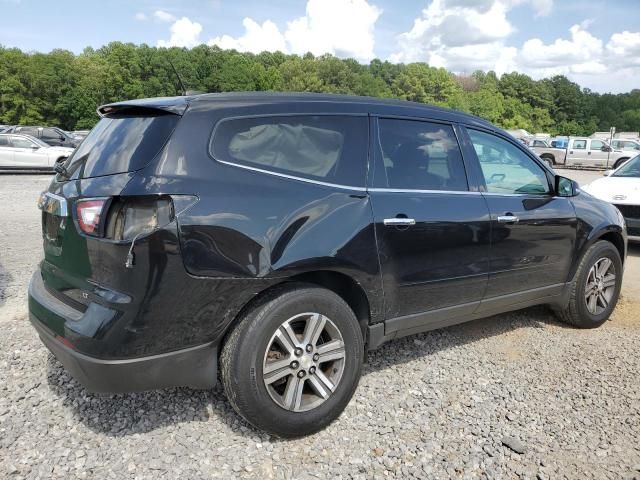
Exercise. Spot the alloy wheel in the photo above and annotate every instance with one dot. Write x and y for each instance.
(600, 287)
(304, 362)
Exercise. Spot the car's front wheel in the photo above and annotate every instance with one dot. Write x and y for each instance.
(292, 363)
(595, 288)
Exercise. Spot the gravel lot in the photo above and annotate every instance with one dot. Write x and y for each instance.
(516, 395)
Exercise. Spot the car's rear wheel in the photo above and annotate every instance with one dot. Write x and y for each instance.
(292, 363)
(595, 288)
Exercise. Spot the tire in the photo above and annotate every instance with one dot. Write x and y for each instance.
(577, 312)
(258, 341)
(549, 160)
(620, 162)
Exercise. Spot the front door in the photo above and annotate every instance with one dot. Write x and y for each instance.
(596, 156)
(6, 152)
(28, 153)
(533, 231)
(432, 231)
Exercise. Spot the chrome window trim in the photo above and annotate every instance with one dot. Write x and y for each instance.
(292, 177)
(409, 190)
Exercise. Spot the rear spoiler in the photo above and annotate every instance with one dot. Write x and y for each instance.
(174, 105)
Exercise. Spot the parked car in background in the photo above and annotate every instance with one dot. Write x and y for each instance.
(583, 152)
(622, 188)
(25, 152)
(258, 232)
(80, 134)
(625, 144)
(52, 136)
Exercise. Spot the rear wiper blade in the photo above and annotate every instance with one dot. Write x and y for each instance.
(61, 170)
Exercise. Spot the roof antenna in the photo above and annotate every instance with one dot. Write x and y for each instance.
(184, 91)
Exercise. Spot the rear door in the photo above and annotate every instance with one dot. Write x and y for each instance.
(533, 231)
(577, 152)
(432, 230)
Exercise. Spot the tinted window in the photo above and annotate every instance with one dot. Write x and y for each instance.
(324, 147)
(597, 144)
(539, 143)
(580, 144)
(121, 143)
(420, 156)
(50, 133)
(4, 141)
(629, 169)
(506, 168)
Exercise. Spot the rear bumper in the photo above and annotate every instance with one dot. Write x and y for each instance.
(193, 367)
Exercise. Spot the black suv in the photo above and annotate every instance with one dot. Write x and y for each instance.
(280, 236)
(50, 135)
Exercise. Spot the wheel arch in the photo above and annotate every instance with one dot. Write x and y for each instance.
(611, 234)
(548, 156)
(339, 283)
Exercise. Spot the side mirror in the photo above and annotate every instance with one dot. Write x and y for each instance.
(35, 147)
(606, 148)
(565, 187)
(607, 173)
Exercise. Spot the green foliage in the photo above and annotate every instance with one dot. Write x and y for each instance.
(63, 89)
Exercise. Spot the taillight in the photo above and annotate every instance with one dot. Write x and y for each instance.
(130, 217)
(90, 215)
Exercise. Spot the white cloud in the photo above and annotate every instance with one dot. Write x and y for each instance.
(163, 16)
(257, 38)
(582, 49)
(459, 35)
(184, 33)
(625, 45)
(141, 17)
(340, 27)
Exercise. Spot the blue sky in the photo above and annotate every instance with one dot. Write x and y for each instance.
(596, 43)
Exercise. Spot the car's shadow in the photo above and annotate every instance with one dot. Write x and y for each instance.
(5, 280)
(127, 414)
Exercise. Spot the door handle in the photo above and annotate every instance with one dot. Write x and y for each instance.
(399, 222)
(508, 219)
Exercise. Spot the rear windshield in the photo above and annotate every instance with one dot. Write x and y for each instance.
(121, 143)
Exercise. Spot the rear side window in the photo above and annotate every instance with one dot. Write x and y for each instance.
(328, 148)
(420, 155)
(121, 143)
(580, 144)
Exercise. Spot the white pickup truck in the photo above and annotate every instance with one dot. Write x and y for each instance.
(583, 152)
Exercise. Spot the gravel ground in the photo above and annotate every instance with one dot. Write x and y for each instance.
(516, 395)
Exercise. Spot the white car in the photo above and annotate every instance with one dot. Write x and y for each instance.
(622, 188)
(25, 152)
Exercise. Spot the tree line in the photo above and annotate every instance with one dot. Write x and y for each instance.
(63, 89)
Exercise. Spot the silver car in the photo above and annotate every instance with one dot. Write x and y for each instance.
(25, 152)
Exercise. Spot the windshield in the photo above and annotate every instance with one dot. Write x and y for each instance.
(629, 169)
(121, 143)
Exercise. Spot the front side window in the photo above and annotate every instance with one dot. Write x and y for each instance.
(4, 141)
(51, 134)
(539, 143)
(597, 145)
(21, 142)
(506, 168)
(580, 144)
(420, 155)
(328, 148)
